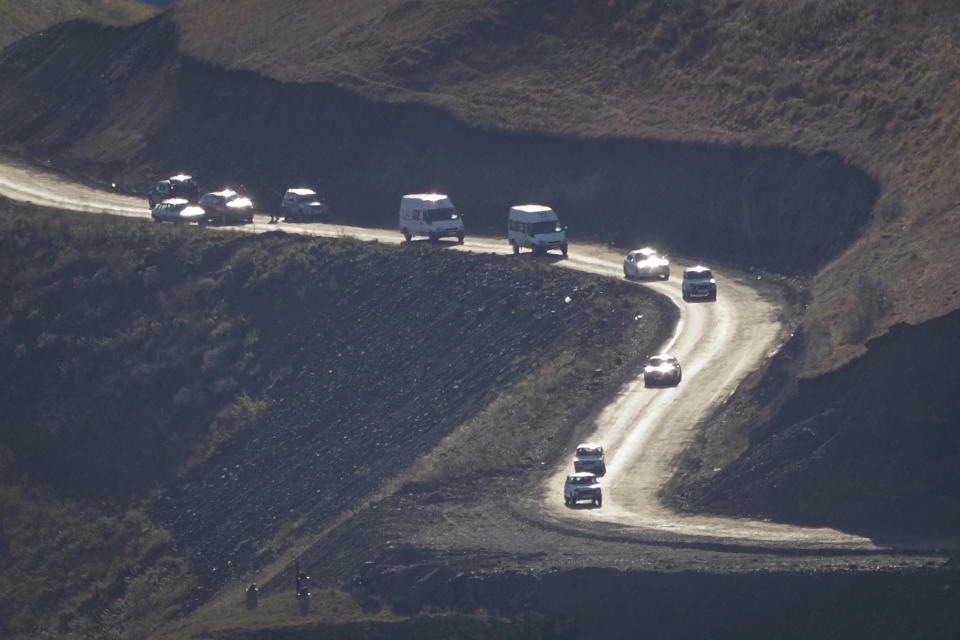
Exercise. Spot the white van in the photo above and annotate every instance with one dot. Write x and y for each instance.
(429, 214)
(536, 227)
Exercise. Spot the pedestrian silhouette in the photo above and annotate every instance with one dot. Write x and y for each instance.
(253, 595)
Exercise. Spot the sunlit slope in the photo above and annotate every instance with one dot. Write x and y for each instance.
(19, 18)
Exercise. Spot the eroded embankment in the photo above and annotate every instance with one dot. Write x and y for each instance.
(871, 448)
(228, 392)
(126, 100)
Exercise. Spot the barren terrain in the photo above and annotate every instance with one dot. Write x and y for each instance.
(875, 82)
(189, 410)
(478, 522)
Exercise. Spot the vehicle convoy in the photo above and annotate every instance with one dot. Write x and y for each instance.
(536, 227)
(430, 214)
(582, 485)
(176, 210)
(698, 283)
(646, 263)
(178, 186)
(226, 207)
(304, 204)
(662, 371)
(589, 457)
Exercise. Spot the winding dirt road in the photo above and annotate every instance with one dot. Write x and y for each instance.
(718, 344)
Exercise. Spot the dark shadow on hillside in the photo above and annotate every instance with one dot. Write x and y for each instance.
(871, 449)
(767, 207)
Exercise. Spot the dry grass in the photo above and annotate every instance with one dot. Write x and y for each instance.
(23, 18)
(876, 82)
(64, 561)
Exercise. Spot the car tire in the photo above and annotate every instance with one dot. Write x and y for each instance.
(460, 239)
(516, 247)
(563, 250)
(713, 297)
(599, 501)
(433, 238)
(406, 235)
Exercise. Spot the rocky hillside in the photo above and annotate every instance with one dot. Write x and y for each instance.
(181, 404)
(139, 107)
(147, 110)
(871, 448)
(875, 82)
(872, 83)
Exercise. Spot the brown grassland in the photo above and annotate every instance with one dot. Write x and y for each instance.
(22, 18)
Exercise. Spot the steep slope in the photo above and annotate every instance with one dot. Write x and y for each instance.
(874, 81)
(23, 18)
(133, 107)
(841, 454)
(138, 109)
(180, 404)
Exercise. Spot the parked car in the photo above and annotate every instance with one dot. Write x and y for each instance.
(646, 263)
(589, 457)
(662, 371)
(226, 207)
(304, 204)
(178, 186)
(176, 210)
(698, 283)
(582, 486)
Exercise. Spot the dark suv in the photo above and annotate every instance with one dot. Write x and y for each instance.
(698, 283)
(178, 186)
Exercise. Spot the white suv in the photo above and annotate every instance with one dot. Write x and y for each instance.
(582, 486)
(301, 204)
(589, 457)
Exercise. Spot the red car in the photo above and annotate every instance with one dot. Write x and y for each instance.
(226, 207)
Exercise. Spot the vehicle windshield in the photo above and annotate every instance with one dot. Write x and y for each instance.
(588, 452)
(307, 197)
(185, 187)
(659, 362)
(706, 274)
(435, 215)
(545, 226)
(643, 254)
(583, 480)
